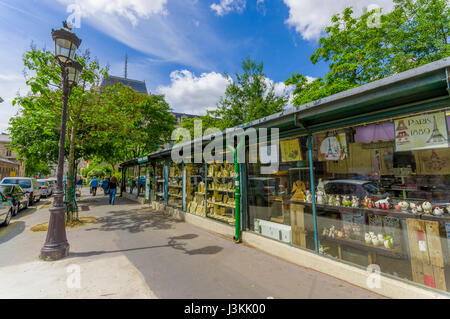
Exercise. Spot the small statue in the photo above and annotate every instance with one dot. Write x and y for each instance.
(383, 204)
(331, 200)
(388, 242)
(427, 208)
(320, 198)
(346, 201)
(355, 201)
(368, 238)
(298, 189)
(308, 197)
(337, 201)
(438, 211)
(419, 209)
(403, 206)
(366, 202)
(370, 203)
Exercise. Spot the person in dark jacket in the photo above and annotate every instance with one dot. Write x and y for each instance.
(105, 184)
(112, 189)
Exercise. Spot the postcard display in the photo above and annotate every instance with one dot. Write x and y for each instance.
(220, 192)
(383, 196)
(175, 193)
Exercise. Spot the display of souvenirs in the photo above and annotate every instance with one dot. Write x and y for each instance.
(383, 204)
(337, 201)
(308, 197)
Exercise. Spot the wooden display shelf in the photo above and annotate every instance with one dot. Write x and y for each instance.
(222, 204)
(229, 220)
(221, 190)
(380, 250)
(374, 211)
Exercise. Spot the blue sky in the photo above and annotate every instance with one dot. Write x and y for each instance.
(181, 48)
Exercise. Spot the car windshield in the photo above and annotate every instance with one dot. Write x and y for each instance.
(25, 183)
(372, 188)
(6, 189)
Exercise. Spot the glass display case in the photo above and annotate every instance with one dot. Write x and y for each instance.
(175, 192)
(220, 192)
(159, 181)
(195, 189)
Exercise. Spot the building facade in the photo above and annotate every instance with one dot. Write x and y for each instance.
(10, 165)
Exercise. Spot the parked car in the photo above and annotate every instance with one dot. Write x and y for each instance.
(46, 190)
(6, 210)
(28, 184)
(17, 195)
(52, 183)
(355, 188)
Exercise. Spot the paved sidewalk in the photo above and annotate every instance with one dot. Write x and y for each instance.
(134, 252)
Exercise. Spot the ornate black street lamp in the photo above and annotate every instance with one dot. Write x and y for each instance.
(66, 43)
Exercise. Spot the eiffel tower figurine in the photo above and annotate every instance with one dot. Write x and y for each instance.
(436, 136)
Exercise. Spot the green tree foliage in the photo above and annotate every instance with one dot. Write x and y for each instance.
(415, 33)
(250, 97)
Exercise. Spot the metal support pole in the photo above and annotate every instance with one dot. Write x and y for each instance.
(56, 245)
(313, 193)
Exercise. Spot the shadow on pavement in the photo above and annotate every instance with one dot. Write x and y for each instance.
(14, 229)
(135, 222)
(173, 243)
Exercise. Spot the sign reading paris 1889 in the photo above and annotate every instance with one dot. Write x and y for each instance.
(421, 132)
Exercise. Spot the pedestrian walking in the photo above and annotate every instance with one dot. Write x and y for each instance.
(94, 184)
(112, 188)
(105, 184)
(80, 183)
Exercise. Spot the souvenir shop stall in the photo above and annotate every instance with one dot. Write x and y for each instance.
(361, 177)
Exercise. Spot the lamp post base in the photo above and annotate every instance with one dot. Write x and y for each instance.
(56, 245)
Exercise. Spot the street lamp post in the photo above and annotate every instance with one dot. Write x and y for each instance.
(66, 43)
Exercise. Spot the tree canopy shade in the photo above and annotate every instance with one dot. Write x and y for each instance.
(114, 124)
(250, 97)
(415, 33)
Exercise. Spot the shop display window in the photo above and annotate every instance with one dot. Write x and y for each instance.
(220, 192)
(141, 182)
(383, 196)
(276, 201)
(175, 193)
(159, 181)
(132, 179)
(195, 189)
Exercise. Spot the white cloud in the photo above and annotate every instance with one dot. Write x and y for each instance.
(310, 17)
(226, 6)
(188, 93)
(130, 9)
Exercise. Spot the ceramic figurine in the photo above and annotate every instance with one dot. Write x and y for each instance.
(325, 232)
(414, 210)
(448, 209)
(366, 202)
(346, 201)
(383, 204)
(380, 238)
(370, 203)
(438, 211)
(427, 208)
(331, 200)
(419, 209)
(375, 241)
(368, 238)
(340, 234)
(388, 242)
(397, 208)
(337, 201)
(308, 197)
(320, 197)
(403, 206)
(355, 202)
(412, 205)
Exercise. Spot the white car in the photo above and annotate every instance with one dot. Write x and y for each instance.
(52, 183)
(45, 187)
(28, 184)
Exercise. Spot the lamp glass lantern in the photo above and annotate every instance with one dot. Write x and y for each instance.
(74, 72)
(66, 44)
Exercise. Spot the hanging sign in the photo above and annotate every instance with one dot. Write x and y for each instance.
(421, 132)
(290, 151)
(333, 148)
(143, 159)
